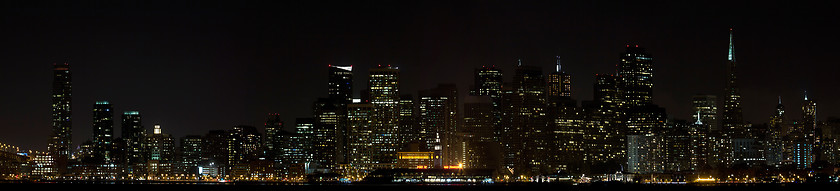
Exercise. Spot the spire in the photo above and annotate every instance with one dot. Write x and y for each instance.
(520, 62)
(780, 100)
(731, 46)
(558, 64)
(698, 119)
(806, 95)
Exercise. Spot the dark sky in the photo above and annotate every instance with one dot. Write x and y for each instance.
(194, 66)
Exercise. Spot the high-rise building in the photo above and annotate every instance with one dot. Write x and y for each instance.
(298, 149)
(359, 131)
(778, 129)
(488, 81)
(329, 143)
(700, 145)
(191, 151)
(802, 140)
(438, 120)
(478, 125)
(103, 131)
(605, 130)
(341, 83)
(636, 76)
(134, 136)
(706, 107)
(384, 84)
(409, 129)
(243, 144)
(523, 121)
(215, 152)
(60, 143)
(733, 119)
(559, 85)
(273, 127)
(567, 136)
(160, 152)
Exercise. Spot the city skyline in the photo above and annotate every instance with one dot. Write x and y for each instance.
(191, 99)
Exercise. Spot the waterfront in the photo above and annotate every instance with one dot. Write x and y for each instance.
(74, 185)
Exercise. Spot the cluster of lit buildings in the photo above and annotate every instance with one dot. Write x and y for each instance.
(527, 129)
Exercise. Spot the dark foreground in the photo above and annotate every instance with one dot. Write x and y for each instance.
(116, 186)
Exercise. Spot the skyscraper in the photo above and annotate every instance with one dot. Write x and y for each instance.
(488, 81)
(191, 150)
(559, 85)
(60, 143)
(384, 84)
(103, 130)
(478, 125)
(409, 130)
(706, 107)
(135, 136)
(733, 119)
(438, 120)
(778, 129)
(636, 76)
(329, 140)
(359, 131)
(273, 126)
(243, 144)
(160, 151)
(215, 151)
(341, 83)
(523, 120)
(805, 143)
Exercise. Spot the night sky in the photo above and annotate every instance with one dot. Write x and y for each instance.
(195, 66)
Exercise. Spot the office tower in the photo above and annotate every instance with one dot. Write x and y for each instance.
(60, 143)
(134, 136)
(676, 150)
(329, 140)
(778, 130)
(643, 118)
(635, 85)
(274, 139)
(733, 120)
(802, 139)
(191, 151)
(273, 127)
(409, 130)
(605, 131)
(478, 124)
(298, 148)
(216, 151)
(478, 119)
(700, 145)
(341, 83)
(384, 95)
(160, 152)
(567, 136)
(243, 144)
(103, 131)
(438, 119)
(523, 121)
(607, 94)
(706, 107)
(360, 132)
(636, 76)
(559, 86)
(488, 81)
